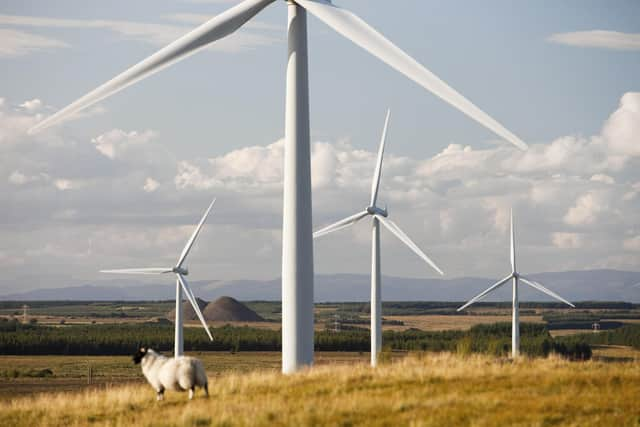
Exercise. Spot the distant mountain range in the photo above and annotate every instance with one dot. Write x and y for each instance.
(599, 285)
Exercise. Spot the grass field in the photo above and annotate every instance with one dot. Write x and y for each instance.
(427, 390)
(72, 372)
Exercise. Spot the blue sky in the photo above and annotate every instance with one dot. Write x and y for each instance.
(539, 68)
(495, 53)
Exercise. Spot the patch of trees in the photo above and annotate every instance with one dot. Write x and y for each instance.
(123, 339)
(584, 325)
(493, 339)
(628, 335)
(589, 316)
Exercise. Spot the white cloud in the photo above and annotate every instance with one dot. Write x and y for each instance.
(622, 130)
(117, 143)
(586, 210)
(19, 43)
(190, 176)
(605, 179)
(18, 178)
(599, 39)
(566, 240)
(257, 165)
(145, 32)
(197, 19)
(455, 204)
(150, 185)
(32, 105)
(66, 184)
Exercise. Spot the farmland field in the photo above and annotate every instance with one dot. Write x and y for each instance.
(428, 390)
(72, 372)
(439, 367)
(437, 322)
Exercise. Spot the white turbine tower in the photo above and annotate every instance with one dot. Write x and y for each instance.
(378, 216)
(297, 244)
(515, 277)
(182, 287)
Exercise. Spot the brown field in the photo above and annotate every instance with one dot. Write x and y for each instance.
(426, 322)
(444, 322)
(564, 332)
(615, 353)
(259, 325)
(427, 390)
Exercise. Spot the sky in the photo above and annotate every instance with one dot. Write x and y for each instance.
(122, 184)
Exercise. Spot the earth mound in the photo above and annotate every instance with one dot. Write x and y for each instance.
(230, 310)
(188, 313)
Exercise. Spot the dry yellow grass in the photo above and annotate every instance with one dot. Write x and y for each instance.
(433, 390)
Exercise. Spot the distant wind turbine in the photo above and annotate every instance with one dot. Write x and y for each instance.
(181, 285)
(515, 320)
(379, 216)
(297, 243)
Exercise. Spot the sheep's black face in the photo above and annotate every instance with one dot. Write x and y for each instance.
(137, 358)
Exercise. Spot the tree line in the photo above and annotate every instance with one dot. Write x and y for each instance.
(628, 335)
(122, 339)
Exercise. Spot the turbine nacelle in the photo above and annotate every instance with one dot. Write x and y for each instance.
(374, 210)
(180, 270)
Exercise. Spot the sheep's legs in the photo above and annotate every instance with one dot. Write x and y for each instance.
(206, 389)
(191, 390)
(160, 395)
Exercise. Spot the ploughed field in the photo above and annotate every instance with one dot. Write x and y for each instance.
(420, 389)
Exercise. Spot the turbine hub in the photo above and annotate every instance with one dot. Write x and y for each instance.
(374, 210)
(180, 270)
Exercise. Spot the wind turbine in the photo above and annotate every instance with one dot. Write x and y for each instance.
(182, 287)
(378, 216)
(515, 277)
(297, 243)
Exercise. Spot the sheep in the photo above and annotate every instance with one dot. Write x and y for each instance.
(178, 374)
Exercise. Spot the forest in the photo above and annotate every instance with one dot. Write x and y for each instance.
(122, 339)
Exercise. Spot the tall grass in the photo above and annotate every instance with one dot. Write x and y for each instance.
(428, 390)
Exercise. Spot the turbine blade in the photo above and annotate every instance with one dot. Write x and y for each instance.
(194, 303)
(153, 270)
(541, 288)
(377, 173)
(343, 223)
(360, 33)
(391, 226)
(192, 239)
(212, 30)
(513, 242)
(484, 293)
